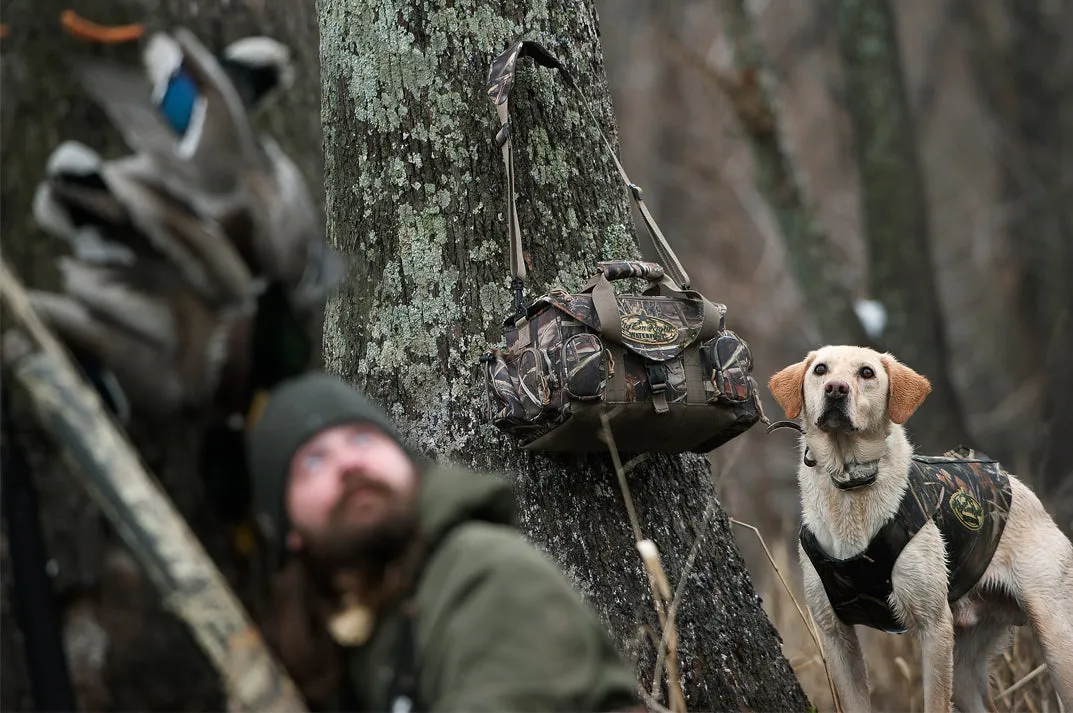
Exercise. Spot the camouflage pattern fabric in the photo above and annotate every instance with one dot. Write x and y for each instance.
(556, 357)
(967, 495)
(624, 269)
(655, 327)
(729, 362)
(584, 367)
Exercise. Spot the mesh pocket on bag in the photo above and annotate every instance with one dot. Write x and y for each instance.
(584, 367)
(728, 363)
(534, 387)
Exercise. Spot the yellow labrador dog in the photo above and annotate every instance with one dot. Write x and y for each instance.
(950, 548)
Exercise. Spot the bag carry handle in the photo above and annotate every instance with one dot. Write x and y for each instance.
(626, 269)
(605, 301)
(607, 304)
(500, 80)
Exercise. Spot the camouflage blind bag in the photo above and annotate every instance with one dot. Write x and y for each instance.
(661, 365)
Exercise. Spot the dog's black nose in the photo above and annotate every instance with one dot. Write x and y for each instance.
(836, 389)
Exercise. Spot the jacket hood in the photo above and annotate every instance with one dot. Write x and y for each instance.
(450, 496)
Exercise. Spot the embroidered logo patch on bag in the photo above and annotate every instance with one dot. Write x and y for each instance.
(646, 329)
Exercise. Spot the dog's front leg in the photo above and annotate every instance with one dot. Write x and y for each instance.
(937, 660)
(919, 580)
(841, 648)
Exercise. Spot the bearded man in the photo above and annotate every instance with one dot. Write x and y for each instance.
(407, 586)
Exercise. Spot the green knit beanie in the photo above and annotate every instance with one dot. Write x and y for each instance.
(297, 410)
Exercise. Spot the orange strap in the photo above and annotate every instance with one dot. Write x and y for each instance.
(102, 34)
(4, 30)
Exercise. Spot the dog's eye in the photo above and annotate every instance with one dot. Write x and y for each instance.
(867, 372)
(819, 369)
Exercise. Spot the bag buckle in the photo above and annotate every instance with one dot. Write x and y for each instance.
(657, 386)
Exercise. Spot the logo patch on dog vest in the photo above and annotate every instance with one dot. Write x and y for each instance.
(646, 329)
(967, 510)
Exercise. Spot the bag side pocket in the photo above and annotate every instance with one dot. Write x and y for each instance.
(534, 388)
(728, 364)
(584, 361)
(504, 404)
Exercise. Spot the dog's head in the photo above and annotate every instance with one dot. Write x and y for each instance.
(844, 389)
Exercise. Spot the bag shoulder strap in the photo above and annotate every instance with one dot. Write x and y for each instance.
(500, 80)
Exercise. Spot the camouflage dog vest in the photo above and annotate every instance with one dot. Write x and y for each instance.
(968, 496)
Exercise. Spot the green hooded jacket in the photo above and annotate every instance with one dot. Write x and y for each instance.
(498, 627)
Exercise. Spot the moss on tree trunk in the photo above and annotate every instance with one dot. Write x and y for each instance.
(415, 199)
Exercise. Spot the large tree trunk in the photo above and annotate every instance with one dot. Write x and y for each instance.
(125, 651)
(414, 189)
(895, 212)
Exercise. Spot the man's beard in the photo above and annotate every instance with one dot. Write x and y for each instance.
(346, 545)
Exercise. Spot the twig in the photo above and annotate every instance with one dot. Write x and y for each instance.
(661, 592)
(653, 704)
(609, 438)
(679, 591)
(801, 613)
(657, 578)
(1024, 681)
(634, 462)
(682, 579)
(800, 663)
(904, 668)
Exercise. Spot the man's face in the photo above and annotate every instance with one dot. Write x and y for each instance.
(351, 494)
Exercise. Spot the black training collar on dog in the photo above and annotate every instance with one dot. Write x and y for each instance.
(807, 457)
(809, 461)
(854, 483)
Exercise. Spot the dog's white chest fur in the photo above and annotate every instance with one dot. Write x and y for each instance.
(845, 521)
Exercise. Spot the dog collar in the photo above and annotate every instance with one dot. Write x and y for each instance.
(806, 458)
(854, 483)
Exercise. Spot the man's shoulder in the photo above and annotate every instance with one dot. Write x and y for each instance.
(487, 544)
(488, 551)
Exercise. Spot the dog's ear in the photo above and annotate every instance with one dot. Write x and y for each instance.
(907, 389)
(787, 386)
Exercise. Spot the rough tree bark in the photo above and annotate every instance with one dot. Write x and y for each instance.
(125, 651)
(414, 195)
(895, 212)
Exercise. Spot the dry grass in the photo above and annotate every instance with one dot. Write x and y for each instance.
(893, 661)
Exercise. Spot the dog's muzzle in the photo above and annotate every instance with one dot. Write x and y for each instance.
(835, 417)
